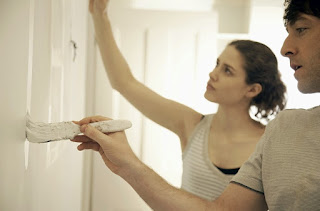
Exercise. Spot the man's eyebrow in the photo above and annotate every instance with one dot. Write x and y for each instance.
(294, 21)
(298, 19)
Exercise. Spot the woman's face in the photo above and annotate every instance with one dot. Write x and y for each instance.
(227, 85)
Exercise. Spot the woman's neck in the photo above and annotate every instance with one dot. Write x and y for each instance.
(233, 118)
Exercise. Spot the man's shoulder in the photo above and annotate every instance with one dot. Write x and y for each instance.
(299, 112)
(290, 117)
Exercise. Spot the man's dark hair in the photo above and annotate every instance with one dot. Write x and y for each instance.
(294, 8)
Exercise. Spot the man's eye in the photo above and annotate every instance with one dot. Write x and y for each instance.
(300, 30)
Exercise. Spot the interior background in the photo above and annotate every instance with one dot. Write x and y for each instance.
(51, 67)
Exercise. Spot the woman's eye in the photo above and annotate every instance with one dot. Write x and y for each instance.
(227, 70)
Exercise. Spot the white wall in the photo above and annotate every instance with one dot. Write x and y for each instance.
(168, 59)
(167, 5)
(14, 47)
(39, 75)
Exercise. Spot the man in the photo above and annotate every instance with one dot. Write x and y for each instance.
(282, 174)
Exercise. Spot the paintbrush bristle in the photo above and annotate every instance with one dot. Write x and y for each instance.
(39, 132)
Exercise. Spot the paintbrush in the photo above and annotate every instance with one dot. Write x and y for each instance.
(39, 132)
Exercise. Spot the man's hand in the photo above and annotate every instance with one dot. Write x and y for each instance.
(113, 147)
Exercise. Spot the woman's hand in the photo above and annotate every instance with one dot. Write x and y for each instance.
(113, 147)
(98, 6)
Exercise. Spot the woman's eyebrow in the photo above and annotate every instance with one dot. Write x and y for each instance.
(229, 66)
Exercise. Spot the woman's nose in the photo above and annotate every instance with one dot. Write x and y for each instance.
(213, 75)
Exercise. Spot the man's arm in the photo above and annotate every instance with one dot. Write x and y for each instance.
(154, 190)
(159, 195)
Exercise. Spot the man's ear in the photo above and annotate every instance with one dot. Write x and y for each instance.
(254, 90)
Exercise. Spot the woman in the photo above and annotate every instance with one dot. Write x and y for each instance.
(214, 146)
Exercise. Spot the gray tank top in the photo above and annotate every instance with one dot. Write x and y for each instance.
(200, 176)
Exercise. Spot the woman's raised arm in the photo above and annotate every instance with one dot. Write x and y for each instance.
(172, 115)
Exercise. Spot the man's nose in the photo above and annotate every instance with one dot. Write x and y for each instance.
(288, 48)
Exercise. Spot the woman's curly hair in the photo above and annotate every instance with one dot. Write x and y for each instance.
(261, 67)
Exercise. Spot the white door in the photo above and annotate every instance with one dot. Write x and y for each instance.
(42, 72)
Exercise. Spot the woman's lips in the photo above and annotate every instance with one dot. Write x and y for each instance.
(209, 87)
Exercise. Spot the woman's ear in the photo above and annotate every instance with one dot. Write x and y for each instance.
(254, 90)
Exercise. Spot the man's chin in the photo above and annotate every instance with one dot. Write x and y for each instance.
(307, 89)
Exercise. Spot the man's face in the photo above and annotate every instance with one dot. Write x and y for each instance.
(302, 47)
